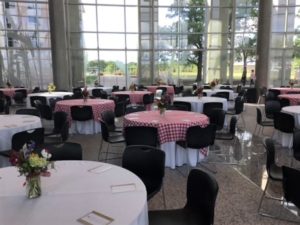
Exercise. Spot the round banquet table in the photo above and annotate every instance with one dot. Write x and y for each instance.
(197, 103)
(135, 96)
(75, 189)
(47, 95)
(106, 89)
(295, 111)
(293, 98)
(171, 128)
(90, 126)
(11, 124)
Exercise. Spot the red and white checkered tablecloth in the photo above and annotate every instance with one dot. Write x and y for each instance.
(171, 127)
(285, 90)
(135, 96)
(10, 91)
(294, 98)
(98, 106)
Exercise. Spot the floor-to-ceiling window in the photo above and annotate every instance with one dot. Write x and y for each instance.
(285, 44)
(25, 47)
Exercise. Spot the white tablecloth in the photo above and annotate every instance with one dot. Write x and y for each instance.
(11, 124)
(74, 189)
(106, 89)
(47, 95)
(197, 103)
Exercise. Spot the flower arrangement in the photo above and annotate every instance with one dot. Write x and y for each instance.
(161, 104)
(292, 82)
(199, 92)
(32, 166)
(132, 87)
(85, 94)
(213, 83)
(51, 87)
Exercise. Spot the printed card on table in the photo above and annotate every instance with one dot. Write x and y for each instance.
(100, 169)
(95, 218)
(123, 188)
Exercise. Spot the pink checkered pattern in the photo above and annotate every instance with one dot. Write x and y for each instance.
(9, 91)
(286, 90)
(294, 98)
(135, 96)
(171, 127)
(98, 106)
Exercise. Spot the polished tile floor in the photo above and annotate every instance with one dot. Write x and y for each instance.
(240, 173)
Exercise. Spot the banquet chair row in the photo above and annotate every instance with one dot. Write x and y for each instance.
(290, 180)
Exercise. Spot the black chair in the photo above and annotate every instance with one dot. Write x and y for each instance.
(120, 108)
(274, 173)
(52, 102)
(291, 186)
(77, 93)
(262, 94)
(284, 102)
(115, 88)
(184, 106)
(238, 109)
(109, 139)
(271, 107)
(23, 137)
(222, 94)
(217, 117)
(272, 94)
(230, 135)
(148, 163)
(61, 126)
(296, 145)
(284, 122)
(82, 113)
(19, 97)
(99, 93)
(202, 190)
(124, 98)
(67, 97)
(28, 111)
(148, 99)
(108, 117)
(36, 90)
(65, 151)
(140, 135)
(134, 108)
(208, 106)
(42, 99)
(187, 92)
(261, 123)
(45, 111)
(4, 106)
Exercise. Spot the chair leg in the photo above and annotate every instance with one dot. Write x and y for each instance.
(100, 149)
(164, 196)
(262, 197)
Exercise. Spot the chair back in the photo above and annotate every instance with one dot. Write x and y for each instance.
(134, 108)
(270, 150)
(258, 116)
(45, 111)
(104, 131)
(272, 94)
(120, 108)
(208, 106)
(164, 90)
(291, 185)
(202, 191)
(23, 137)
(222, 94)
(232, 125)
(284, 122)
(77, 93)
(141, 135)
(217, 117)
(124, 98)
(239, 105)
(148, 163)
(28, 111)
(184, 106)
(296, 145)
(284, 102)
(81, 113)
(108, 117)
(66, 151)
(271, 107)
(42, 99)
(148, 99)
(52, 102)
(200, 137)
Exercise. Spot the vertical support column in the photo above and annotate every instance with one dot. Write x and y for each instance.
(263, 43)
(61, 76)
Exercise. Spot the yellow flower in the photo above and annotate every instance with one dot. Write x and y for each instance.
(51, 87)
(36, 161)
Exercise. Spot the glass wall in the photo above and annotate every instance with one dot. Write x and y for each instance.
(285, 42)
(25, 46)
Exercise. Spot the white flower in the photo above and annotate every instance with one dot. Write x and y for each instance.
(46, 154)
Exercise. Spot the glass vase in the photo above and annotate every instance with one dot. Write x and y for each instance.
(162, 111)
(33, 186)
